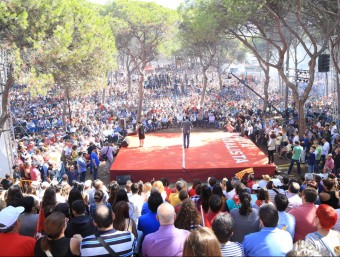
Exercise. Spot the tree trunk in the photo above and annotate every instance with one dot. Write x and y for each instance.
(220, 78)
(205, 83)
(64, 111)
(286, 96)
(140, 93)
(265, 90)
(4, 102)
(128, 74)
(338, 94)
(69, 107)
(300, 105)
(104, 95)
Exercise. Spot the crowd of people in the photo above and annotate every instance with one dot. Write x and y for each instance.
(274, 216)
(49, 207)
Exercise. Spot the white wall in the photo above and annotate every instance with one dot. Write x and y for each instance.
(5, 161)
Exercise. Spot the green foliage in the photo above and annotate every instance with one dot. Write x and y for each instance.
(142, 28)
(60, 39)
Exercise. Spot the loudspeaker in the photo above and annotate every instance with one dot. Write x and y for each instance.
(323, 63)
(125, 142)
(122, 123)
(121, 180)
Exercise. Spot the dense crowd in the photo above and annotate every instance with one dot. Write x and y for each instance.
(49, 207)
(277, 216)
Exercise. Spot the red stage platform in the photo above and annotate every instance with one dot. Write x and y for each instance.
(218, 154)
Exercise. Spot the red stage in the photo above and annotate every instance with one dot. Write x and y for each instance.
(218, 154)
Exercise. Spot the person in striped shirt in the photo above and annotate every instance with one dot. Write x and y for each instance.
(223, 229)
(122, 242)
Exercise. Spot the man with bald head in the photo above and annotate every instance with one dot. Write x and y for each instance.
(168, 240)
(122, 242)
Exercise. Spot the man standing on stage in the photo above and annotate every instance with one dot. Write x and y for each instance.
(186, 127)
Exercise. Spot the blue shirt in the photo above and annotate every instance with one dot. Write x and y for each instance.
(96, 159)
(145, 208)
(148, 223)
(287, 222)
(81, 164)
(268, 242)
(72, 176)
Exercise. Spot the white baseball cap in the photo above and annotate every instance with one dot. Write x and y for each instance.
(255, 187)
(277, 182)
(9, 216)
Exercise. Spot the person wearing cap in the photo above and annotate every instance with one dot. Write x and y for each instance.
(11, 243)
(263, 183)
(329, 164)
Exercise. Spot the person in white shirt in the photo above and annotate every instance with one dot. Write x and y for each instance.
(296, 138)
(334, 127)
(324, 151)
(137, 200)
(293, 196)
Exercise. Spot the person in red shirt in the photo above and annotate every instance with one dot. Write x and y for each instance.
(305, 214)
(215, 205)
(11, 243)
(166, 183)
(34, 172)
(192, 191)
(250, 181)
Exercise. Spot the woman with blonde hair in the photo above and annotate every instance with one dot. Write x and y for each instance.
(202, 242)
(146, 191)
(159, 185)
(54, 242)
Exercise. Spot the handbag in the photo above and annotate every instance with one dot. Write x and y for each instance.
(104, 156)
(105, 245)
